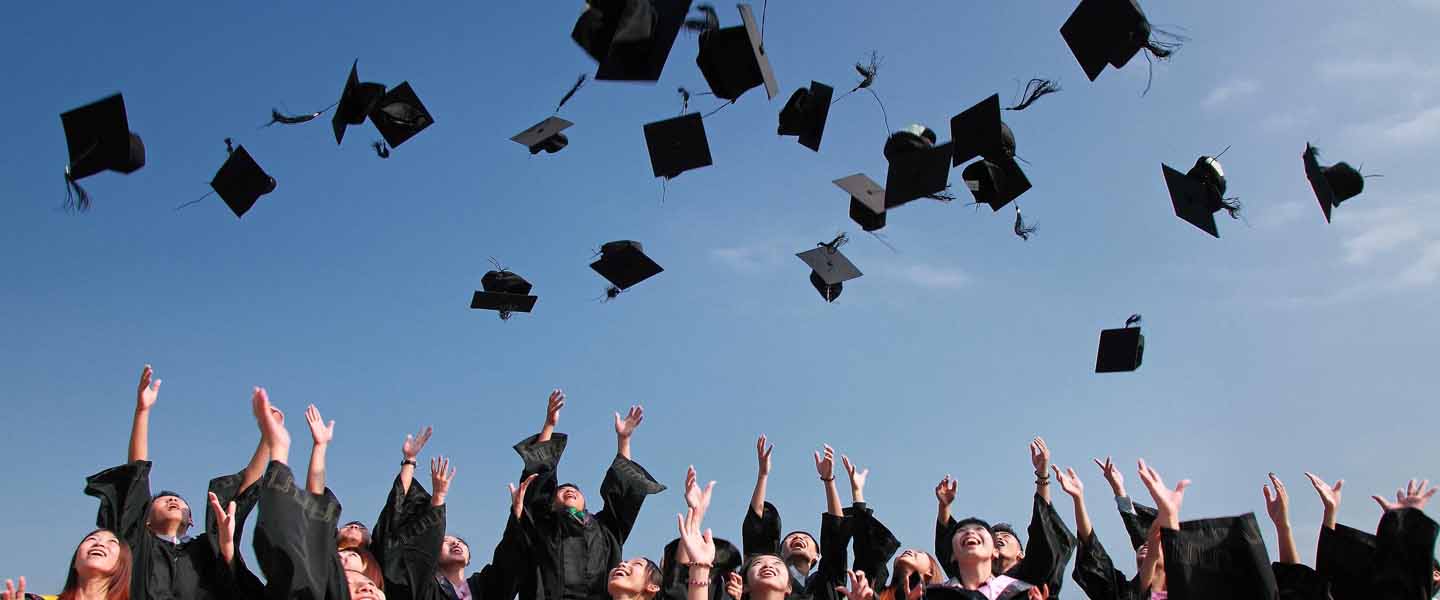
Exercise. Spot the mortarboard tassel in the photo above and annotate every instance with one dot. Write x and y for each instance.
(381, 149)
(684, 99)
(229, 146)
(571, 94)
(1133, 320)
(1036, 89)
(944, 195)
(1021, 230)
(867, 78)
(709, 22)
(834, 245)
(76, 198)
(277, 117)
(1232, 206)
(1159, 49)
(611, 292)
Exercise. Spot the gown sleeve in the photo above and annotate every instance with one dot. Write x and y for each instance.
(1344, 558)
(295, 540)
(1096, 573)
(412, 557)
(1299, 582)
(400, 506)
(874, 544)
(510, 565)
(1137, 523)
(543, 459)
(1404, 551)
(124, 494)
(624, 490)
(1217, 558)
(760, 534)
(237, 578)
(1048, 550)
(943, 551)
(834, 537)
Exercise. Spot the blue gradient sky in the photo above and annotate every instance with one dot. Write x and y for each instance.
(1288, 345)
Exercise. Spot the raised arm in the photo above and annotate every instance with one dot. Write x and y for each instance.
(1070, 483)
(700, 547)
(1040, 459)
(945, 495)
(552, 415)
(409, 451)
(140, 428)
(825, 467)
(625, 427)
(272, 427)
(321, 433)
(256, 467)
(225, 528)
(1329, 496)
(1277, 503)
(441, 474)
(762, 476)
(1405, 544)
(857, 480)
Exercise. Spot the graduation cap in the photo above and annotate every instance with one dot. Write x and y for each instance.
(1200, 193)
(918, 168)
(733, 59)
(829, 269)
(356, 101)
(805, 114)
(544, 136)
(1111, 32)
(979, 131)
(623, 263)
(995, 183)
(867, 201)
(1332, 184)
(98, 138)
(399, 115)
(241, 182)
(1121, 350)
(631, 39)
(677, 145)
(505, 292)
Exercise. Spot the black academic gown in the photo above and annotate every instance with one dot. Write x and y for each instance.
(295, 540)
(571, 556)
(190, 569)
(1393, 563)
(1097, 576)
(1048, 550)
(1217, 558)
(675, 577)
(874, 544)
(406, 542)
(761, 535)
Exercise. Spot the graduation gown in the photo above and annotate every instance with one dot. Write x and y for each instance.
(1395, 562)
(1048, 550)
(572, 554)
(499, 580)
(675, 577)
(761, 535)
(407, 540)
(874, 544)
(295, 540)
(190, 569)
(1097, 576)
(1217, 558)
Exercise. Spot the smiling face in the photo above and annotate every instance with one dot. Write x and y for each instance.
(353, 534)
(454, 552)
(973, 542)
(1007, 546)
(98, 555)
(569, 496)
(799, 547)
(361, 587)
(169, 515)
(351, 560)
(912, 560)
(634, 577)
(767, 573)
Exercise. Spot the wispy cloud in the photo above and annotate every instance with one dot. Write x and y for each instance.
(931, 277)
(1282, 214)
(1418, 128)
(1400, 243)
(1425, 270)
(1231, 90)
(751, 258)
(1289, 120)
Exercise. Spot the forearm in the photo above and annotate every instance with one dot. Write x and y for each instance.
(757, 498)
(1289, 554)
(622, 446)
(832, 499)
(1083, 528)
(315, 478)
(857, 494)
(545, 432)
(407, 475)
(438, 499)
(227, 552)
(140, 436)
(942, 513)
(1329, 522)
(1042, 485)
(256, 467)
(698, 587)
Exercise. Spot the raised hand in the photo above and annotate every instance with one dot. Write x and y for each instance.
(320, 432)
(1070, 482)
(415, 443)
(945, 491)
(700, 547)
(625, 427)
(734, 585)
(1040, 457)
(1413, 496)
(517, 495)
(762, 454)
(1167, 501)
(1039, 593)
(225, 525)
(857, 479)
(1277, 502)
(859, 587)
(1113, 476)
(441, 474)
(272, 425)
(697, 499)
(13, 593)
(552, 408)
(149, 390)
(1329, 496)
(825, 465)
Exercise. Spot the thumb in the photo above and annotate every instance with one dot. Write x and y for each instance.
(1380, 501)
(1338, 484)
(157, 383)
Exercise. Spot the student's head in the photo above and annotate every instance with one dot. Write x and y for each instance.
(569, 496)
(362, 587)
(101, 556)
(766, 574)
(799, 547)
(919, 564)
(1008, 545)
(168, 514)
(360, 559)
(972, 540)
(454, 552)
(353, 534)
(634, 578)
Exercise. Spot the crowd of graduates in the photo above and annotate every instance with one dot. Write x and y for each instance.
(555, 546)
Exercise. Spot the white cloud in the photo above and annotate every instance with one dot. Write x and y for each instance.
(1282, 214)
(1425, 270)
(750, 258)
(1290, 120)
(932, 277)
(1420, 128)
(1228, 91)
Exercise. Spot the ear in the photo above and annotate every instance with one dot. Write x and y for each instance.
(652, 589)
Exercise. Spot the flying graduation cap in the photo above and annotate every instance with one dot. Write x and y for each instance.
(1200, 193)
(918, 168)
(399, 115)
(677, 145)
(979, 131)
(1332, 184)
(1111, 32)
(829, 269)
(357, 99)
(733, 59)
(547, 136)
(624, 263)
(241, 182)
(631, 39)
(867, 201)
(805, 114)
(98, 138)
(504, 292)
(1121, 350)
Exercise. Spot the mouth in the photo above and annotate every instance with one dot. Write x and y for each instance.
(97, 552)
(907, 554)
(767, 572)
(457, 551)
(619, 572)
(971, 541)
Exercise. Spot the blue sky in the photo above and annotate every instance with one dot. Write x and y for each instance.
(1287, 345)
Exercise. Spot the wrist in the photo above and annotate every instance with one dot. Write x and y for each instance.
(828, 480)
(409, 461)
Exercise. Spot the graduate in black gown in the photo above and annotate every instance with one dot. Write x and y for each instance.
(815, 569)
(1094, 571)
(1397, 561)
(498, 580)
(572, 548)
(875, 545)
(674, 563)
(166, 563)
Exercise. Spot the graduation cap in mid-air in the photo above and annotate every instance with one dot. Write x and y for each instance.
(623, 263)
(805, 114)
(867, 201)
(829, 269)
(505, 292)
(918, 168)
(733, 59)
(546, 136)
(98, 138)
(1200, 193)
(1332, 184)
(357, 99)
(1111, 32)
(677, 145)
(1121, 350)
(631, 39)
(241, 182)
(399, 115)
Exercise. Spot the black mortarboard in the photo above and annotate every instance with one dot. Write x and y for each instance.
(917, 167)
(1333, 184)
(240, 182)
(733, 59)
(356, 101)
(867, 201)
(631, 39)
(829, 268)
(505, 292)
(979, 131)
(1199, 193)
(995, 183)
(545, 135)
(99, 139)
(805, 114)
(624, 264)
(1121, 350)
(677, 145)
(1102, 32)
(399, 115)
